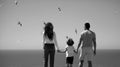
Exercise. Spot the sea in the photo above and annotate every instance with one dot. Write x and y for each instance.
(35, 58)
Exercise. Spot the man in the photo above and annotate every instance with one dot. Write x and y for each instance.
(87, 42)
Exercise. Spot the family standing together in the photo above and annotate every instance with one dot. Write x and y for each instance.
(87, 43)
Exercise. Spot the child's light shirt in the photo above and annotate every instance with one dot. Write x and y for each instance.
(70, 51)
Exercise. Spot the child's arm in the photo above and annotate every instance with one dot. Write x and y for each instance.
(75, 51)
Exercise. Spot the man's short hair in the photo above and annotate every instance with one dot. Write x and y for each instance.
(87, 25)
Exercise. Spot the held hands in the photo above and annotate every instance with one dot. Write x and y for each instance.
(58, 50)
(77, 51)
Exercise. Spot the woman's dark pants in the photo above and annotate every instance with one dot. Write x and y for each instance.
(49, 53)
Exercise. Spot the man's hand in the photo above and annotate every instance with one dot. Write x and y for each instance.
(94, 52)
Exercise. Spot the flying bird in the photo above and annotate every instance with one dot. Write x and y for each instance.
(16, 2)
(44, 23)
(19, 23)
(59, 9)
(67, 37)
(76, 31)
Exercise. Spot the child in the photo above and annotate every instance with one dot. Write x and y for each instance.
(70, 50)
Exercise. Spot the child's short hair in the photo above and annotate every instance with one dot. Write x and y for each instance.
(70, 42)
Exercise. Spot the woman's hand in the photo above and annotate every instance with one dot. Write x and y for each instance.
(58, 50)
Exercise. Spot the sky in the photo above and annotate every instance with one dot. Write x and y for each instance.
(103, 15)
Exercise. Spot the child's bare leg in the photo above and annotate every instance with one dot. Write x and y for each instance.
(81, 63)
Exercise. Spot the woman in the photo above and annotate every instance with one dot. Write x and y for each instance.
(49, 43)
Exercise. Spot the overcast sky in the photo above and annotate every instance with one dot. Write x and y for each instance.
(103, 15)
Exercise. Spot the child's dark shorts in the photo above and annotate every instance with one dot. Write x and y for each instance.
(69, 60)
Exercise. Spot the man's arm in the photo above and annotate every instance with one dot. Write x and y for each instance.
(79, 43)
(94, 42)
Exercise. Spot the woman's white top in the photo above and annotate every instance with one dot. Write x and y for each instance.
(47, 40)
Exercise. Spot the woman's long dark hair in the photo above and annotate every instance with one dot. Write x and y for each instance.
(49, 30)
